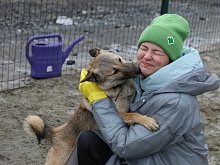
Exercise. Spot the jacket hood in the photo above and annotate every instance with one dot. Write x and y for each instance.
(185, 75)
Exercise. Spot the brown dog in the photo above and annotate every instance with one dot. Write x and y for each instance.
(113, 75)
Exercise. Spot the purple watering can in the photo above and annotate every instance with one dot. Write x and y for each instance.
(46, 58)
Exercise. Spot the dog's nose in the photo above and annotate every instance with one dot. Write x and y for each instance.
(136, 69)
(130, 70)
(138, 72)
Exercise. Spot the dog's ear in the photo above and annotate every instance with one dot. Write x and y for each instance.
(92, 77)
(94, 52)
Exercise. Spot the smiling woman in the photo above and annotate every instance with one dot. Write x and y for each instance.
(172, 77)
(151, 58)
(167, 34)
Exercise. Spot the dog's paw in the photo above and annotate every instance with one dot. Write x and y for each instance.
(150, 123)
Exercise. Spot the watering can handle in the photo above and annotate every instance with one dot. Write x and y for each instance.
(40, 37)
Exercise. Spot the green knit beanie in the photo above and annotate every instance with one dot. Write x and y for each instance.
(168, 31)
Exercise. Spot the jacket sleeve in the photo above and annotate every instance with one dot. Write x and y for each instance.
(136, 141)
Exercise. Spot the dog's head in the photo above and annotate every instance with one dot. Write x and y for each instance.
(108, 69)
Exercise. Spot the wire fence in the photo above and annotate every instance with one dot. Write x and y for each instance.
(109, 24)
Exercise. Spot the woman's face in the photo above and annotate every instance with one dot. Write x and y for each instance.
(151, 58)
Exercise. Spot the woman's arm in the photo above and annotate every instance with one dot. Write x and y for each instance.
(136, 141)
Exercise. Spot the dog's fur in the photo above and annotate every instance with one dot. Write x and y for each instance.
(113, 75)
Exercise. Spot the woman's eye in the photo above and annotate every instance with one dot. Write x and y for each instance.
(145, 49)
(159, 53)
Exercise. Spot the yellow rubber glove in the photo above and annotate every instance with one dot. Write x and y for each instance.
(90, 90)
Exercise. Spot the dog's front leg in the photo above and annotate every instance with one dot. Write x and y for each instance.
(132, 118)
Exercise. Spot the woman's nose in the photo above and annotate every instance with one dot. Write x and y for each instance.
(148, 55)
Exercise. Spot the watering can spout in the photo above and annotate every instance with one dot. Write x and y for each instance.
(70, 47)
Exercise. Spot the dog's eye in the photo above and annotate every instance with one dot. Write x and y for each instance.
(115, 70)
(119, 60)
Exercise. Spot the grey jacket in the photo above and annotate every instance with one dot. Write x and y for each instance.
(169, 96)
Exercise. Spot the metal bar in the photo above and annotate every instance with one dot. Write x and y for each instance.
(164, 7)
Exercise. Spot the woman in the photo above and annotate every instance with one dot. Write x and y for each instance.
(172, 77)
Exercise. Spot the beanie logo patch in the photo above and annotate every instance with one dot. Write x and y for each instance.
(170, 40)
